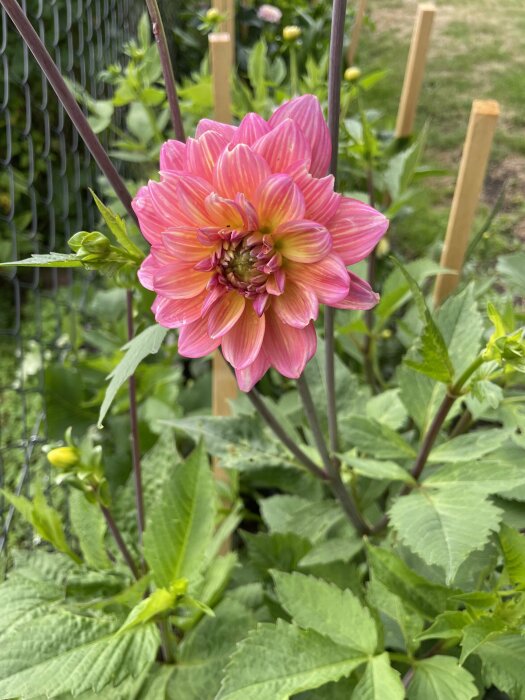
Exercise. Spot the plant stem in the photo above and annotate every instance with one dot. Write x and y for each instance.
(334, 104)
(117, 536)
(283, 436)
(135, 442)
(68, 100)
(165, 642)
(331, 467)
(294, 73)
(167, 67)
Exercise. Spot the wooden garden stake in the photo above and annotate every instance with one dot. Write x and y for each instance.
(356, 31)
(220, 49)
(480, 132)
(227, 8)
(415, 70)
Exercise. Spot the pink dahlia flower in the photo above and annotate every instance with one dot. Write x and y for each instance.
(248, 237)
(269, 13)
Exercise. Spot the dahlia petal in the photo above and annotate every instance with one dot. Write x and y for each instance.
(179, 201)
(173, 155)
(278, 199)
(296, 306)
(319, 197)
(288, 348)
(146, 271)
(306, 112)
(194, 340)
(251, 128)
(174, 313)
(203, 153)
(179, 281)
(328, 278)
(248, 377)
(242, 343)
(302, 241)
(152, 223)
(226, 130)
(239, 170)
(284, 146)
(211, 296)
(225, 314)
(360, 296)
(356, 228)
(183, 244)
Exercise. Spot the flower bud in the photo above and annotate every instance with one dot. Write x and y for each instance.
(383, 248)
(64, 457)
(353, 73)
(213, 15)
(269, 13)
(291, 32)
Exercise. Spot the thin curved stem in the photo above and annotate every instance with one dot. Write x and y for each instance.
(334, 106)
(167, 68)
(68, 100)
(331, 466)
(258, 402)
(119, 540)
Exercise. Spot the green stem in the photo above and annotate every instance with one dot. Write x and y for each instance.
(165, 641)
(294, 73)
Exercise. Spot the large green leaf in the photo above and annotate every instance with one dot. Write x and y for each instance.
(379, 681)
(146, 343)
(277, 661)
(310, 519)
(49, 260)
(445, 525)
(204, 652)
(477, 633)
(513, 547)
(374, 438)
(377, 469)
(281, 551)
(23, 599)
(502, 663)
(426, 598)
(470, 446)
(59, 652)
(239, 442)
(180, 528)
(486, 476)
(321, 606)
(88, 524)
(341, 548)
(441, 678)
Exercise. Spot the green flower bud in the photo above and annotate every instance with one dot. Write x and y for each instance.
(353, 73)
(291, 32)
(90, 243)
(213, 15)
(64, 457)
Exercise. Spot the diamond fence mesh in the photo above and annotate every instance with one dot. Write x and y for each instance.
(45, 172)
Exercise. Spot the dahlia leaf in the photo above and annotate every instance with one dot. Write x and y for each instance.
(513, 547)
(444, 526)
(502, 663)
(180, 528)
(375, 439)
(441, 678)
(288, 660)
(483, 477)
(117, 226)
(146, 343)
(322, 606)
(379, 681)
(87, 523)
(49, 260)
(470, 446)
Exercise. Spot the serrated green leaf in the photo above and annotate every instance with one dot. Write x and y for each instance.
(304, 518)
(289, 660)
(117, 226)
(23, 599)
(400, 624)
(87, 523)
(375, 439)
(146, 343)
(160, 601)
(513, 547)
(444, 526)
(281, 551)
(377, 469)
(379, 681)
(59, 652)
(426, 598)
(387, 408)
(470, 446)
(478, 632)
(204, 652)
(49, 260)
(44, 518)
(502, 663)
(487, 476)
(180, 528)
(334, 549)
(448, 625)
(441, 678)
(321, 606)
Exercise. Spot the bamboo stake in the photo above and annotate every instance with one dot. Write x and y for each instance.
(356, 31)
(224, 386)
(480, 132)
(227, 8)
(415, 70)
(220, 48)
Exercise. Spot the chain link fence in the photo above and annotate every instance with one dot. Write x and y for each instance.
(45, 173)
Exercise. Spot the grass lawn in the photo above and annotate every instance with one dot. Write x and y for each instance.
(477, 52)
